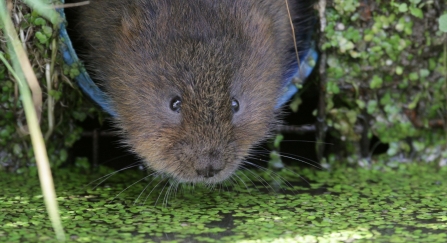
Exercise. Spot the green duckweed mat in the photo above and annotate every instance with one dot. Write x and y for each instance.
(404, 204)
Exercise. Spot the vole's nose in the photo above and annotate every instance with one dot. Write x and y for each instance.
(210, 163)
(208, 172)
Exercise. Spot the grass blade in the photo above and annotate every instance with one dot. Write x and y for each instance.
(22, 71)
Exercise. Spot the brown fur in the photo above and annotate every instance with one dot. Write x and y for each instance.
(204, 51)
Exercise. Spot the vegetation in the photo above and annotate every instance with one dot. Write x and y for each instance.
(382, 75)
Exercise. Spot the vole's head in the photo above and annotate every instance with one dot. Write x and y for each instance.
(194, 86)
(197, 126)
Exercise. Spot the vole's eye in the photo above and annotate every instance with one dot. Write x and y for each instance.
(234, 105)
(176, 104)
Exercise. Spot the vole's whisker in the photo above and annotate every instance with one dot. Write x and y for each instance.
(305, 141)
(147, 197)
(234, 180)
(213, 186)
(167, 194)
(145, 188)
(248, 190)
(285, 168)
(223, 184)
(263, 169)
(272, 174)
(229, 180)
(111, 174)
(248, 178)
(156, 201)
(316, 165)
(260, 179)
(177, 185)
(172, 192)
(133, 184)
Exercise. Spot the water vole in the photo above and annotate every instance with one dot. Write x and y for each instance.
(195, 82)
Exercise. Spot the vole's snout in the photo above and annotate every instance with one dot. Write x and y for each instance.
(210, 164)
(208, 172)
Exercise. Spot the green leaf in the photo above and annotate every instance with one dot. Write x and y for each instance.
(443, 23)
(403, 7)
(43, 39)
(55, 94)
(40, 21)
(416, 12)
(415, 101)
(278, 139)
(424, 73)
(376, 82)
(413, 76)
(372, 106)
(399, 70)
(333, 88)
(295, 104)
(47, 30)
(361, 104)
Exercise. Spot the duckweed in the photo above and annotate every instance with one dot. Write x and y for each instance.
(406, 204)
